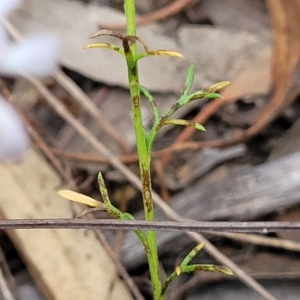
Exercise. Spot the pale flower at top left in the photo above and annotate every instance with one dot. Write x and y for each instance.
(35, 56)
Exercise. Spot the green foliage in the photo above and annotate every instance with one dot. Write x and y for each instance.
(185, 267)
(144, 141)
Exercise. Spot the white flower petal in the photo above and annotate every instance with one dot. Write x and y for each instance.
(4, 42)
(14, 139)
(36, 56)
(6, 6)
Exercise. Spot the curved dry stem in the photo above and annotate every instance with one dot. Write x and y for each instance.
(107, 32)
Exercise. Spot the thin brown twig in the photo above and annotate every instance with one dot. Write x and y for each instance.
(84, 100)
(187, 226)
(67, 133)
(133, 158)
(44, 147)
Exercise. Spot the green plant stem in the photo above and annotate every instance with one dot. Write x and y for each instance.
(142, 148)
(129, 8)
(114, 212)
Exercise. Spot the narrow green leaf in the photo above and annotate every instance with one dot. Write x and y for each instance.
(206, 268)
(184, 123)
(165, 53)
(113, 211)
(216, 87)
(152, 102)
(199, 95)
(189, 80)
(199, 127)
(103, 190)
(213, 95)
(184, 267)
(105, 45)
(192, 254)
(159, 53)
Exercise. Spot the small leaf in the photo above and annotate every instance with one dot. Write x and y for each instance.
(200, 127)
(192, 254)
(214, 88)
(213, 95)
(178, 122)
(201, 95)
(159, 53)
(165, 52)
(105, 45)
(151, 99)
(213, 268)
(97, 45)
(189, 80)
(80, 198)
(206, 268)
(184, 123)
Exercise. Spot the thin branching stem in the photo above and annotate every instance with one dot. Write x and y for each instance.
(142, 147)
